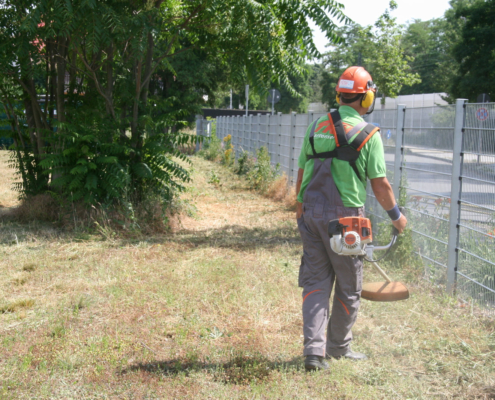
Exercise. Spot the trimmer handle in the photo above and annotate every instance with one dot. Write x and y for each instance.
(395, 231)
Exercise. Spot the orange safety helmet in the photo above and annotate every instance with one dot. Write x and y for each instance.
(357, 80)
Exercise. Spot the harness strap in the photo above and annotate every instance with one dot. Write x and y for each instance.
(337, 129)
(355, 130)
(312, 138)
(326, 154)
(363, 137)
(355, 168)
(345, 151)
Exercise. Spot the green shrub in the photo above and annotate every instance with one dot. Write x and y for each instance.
(228, 155)
(211, 148)
(263, 173)
(214, 179)
(245, 163)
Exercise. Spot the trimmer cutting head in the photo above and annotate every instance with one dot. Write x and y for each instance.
(384, 291)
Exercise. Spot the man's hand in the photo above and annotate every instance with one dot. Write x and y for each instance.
(299, 210)
(401, 223)
(385, 196)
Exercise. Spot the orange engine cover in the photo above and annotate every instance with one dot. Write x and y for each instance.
(362, 226)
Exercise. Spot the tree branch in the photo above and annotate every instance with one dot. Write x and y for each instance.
(172, 41)
(98, 86)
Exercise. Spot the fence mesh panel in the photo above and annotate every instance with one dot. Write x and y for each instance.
(476, 260)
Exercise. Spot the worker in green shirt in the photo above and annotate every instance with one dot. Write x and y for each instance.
(340, 151)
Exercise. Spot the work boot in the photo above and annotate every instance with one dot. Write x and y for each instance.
(351, 355)
(314, 363)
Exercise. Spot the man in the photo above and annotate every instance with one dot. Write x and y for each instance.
(329, 188)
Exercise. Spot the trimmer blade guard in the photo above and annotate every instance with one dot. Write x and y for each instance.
(384, 291)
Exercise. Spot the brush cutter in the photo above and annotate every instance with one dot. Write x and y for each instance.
(351, 236)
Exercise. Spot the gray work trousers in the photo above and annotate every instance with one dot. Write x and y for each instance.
(321, 267)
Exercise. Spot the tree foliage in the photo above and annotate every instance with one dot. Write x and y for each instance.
(94, 90)
(315, 82)
(378, 49)
(295, 102)
(475, 50)
(428, 43)
(386, 62)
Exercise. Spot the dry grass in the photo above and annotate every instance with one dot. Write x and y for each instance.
(148, 217)
(8, 198)
(16, 305)
(280, 191)
(213, 312)
(291, 199)
(41, 207)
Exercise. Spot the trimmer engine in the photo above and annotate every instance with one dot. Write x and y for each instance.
(349, 235)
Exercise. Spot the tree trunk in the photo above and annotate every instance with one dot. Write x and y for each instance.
(61, 68)
(135, 108)
(147, 69)
(109, 88)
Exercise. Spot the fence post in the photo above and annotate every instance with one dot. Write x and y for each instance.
(259, 131)
(238, 133)
(244, 119)
(291, 146)
(399, 141)
(268, 134)
(250, 118)
(199, 130)
(229, 125)
(455, 192)
(311, 116)
(245, 137)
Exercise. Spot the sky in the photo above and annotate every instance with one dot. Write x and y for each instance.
(366, 12)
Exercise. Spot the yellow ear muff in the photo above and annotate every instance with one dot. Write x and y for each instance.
(337, 98)
(368, 99)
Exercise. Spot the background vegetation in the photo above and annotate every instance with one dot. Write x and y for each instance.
(96, 93)
(453, 54)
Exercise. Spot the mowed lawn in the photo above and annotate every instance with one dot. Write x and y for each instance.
(211, 311)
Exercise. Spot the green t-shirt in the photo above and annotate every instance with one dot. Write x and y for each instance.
(371, 161)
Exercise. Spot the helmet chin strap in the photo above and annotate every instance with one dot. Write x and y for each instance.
(351, 100)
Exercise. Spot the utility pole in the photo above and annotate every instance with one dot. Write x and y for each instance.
(231, 99)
